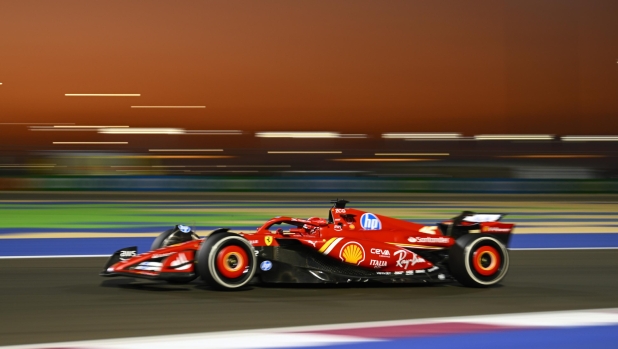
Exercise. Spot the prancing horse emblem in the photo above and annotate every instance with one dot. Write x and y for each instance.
(268, 240)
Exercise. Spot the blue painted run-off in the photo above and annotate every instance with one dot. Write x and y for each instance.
(107, 246)
(598, 337)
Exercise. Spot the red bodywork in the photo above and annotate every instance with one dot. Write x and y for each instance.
(352, 236)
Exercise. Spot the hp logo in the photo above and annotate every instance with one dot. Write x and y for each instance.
(369, 221)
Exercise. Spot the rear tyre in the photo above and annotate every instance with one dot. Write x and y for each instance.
(226, 261)
(478, 260)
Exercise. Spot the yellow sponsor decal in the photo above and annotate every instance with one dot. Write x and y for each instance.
(351, 226)
(268, 240)
(352, 253)
(428, 230)
(325, 246)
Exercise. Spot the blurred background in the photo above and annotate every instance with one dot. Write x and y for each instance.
(120, 119)
(451, 96)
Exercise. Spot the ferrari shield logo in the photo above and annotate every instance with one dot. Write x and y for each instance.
(268, 240)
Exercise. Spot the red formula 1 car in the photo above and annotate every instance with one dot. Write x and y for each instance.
(350, 246)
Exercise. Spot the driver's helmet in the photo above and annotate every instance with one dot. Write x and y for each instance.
(310, 229)
(182, 233)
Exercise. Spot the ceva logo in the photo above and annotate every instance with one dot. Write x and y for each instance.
(369, 221)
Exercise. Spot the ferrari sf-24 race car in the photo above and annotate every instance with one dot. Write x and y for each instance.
(350, 246)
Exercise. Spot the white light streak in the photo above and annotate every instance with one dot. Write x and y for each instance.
(168, 106)
(297, 134)
(37, 123)
(88, 126)
(506, 137)
(144, 130)
(412, 154)
(28, 166)
(102, 94)
(65, 128)
(590, 138)
(61, 129)
(183, 150)
(422, 136)
(353, 135)
(303, 152)
(90, 142)
(214, 132)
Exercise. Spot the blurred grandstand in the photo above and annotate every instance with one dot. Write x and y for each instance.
(327, 161)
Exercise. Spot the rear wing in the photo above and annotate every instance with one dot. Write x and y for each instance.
(469, 222)
(483, 217)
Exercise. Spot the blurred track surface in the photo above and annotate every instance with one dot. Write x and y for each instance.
(64, 299)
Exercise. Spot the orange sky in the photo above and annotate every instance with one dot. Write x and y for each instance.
(526, 66)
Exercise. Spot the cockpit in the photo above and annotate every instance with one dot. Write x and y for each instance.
(294, 226)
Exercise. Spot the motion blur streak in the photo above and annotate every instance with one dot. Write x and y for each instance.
(303, 152)
(421, 135)
(214, 132)
(168, 106)
(515, 137)
(182, 150)
(136, 131)
(90, 142)
(84, 126)
(590, 138)
(381, 159)
(550, 156)
(171, 156)
(298, 134)
(36, 123)
(412, 154)
(102, 94)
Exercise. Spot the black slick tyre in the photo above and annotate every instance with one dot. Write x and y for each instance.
(226, 261)
(159, 241)
(478, 260)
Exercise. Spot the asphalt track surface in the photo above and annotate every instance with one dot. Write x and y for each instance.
(64, 299)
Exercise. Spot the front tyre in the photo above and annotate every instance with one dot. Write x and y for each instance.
(161, 240)
(478, 260)
(226, 261)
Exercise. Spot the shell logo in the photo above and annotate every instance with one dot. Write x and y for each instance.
(352, 253)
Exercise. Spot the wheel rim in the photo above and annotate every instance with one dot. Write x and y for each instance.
(486, 260)
(232, 261)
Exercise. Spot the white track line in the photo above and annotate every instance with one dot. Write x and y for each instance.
(560, 248)
(58, 256)
(306, 336)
